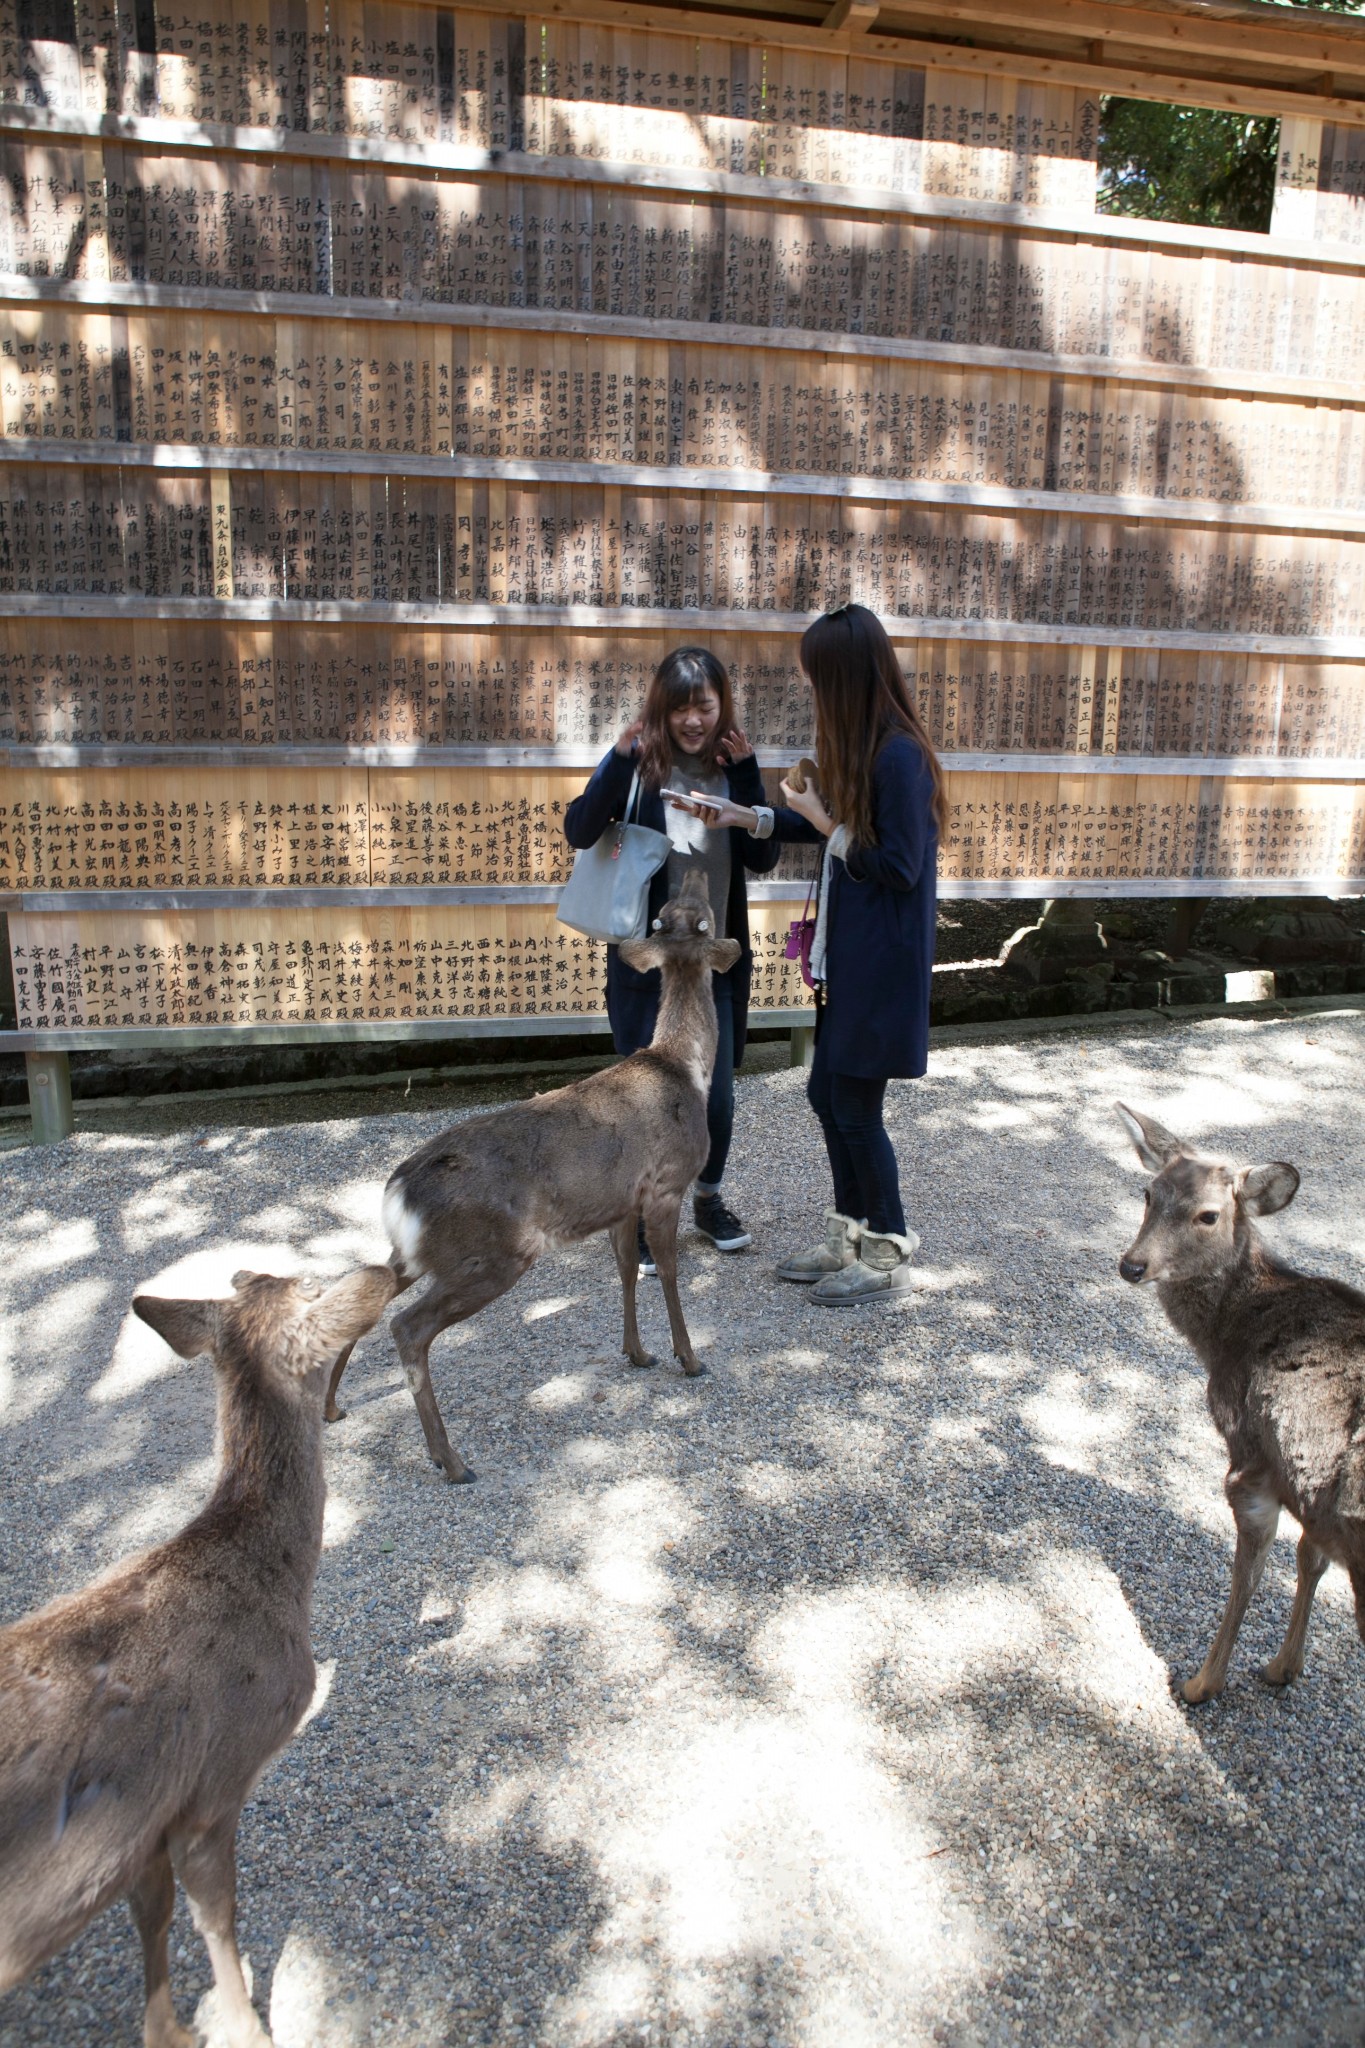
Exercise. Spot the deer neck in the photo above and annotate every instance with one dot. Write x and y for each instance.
(271, 1490)
(1204, 1310)
(686, 1029)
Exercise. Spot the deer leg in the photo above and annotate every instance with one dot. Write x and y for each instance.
(1287, 1664)
(331, 1413)
(207, 1865)
(1358, 1589)
(625, 1244)
(415, 1331)
(663, 1242)
(152, 1901)
(1257, 1516)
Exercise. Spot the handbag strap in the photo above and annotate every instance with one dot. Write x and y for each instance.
(624, 821)
(811, 891)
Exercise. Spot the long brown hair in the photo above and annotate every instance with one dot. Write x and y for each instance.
(681, 678)
(861, 699)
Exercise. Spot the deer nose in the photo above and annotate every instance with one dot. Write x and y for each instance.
(1133, 1269)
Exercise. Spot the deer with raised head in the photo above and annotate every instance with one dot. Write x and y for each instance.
(137, 1714)
(477, 1206)
(1285, 1356)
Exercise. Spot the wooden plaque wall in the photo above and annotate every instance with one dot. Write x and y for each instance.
(383, 389)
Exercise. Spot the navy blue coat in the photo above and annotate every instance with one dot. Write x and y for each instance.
(632, 998)
(880, 924)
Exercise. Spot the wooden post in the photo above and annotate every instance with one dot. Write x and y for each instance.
(49, 1096)
(802, 1045)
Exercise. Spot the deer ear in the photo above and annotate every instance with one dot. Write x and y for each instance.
(345, 1312)
(189, 1327)
(644, 955)
(1154, 1144)
(1264, 1189)
(723, 956)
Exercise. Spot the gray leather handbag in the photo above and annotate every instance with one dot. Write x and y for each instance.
(607, 895)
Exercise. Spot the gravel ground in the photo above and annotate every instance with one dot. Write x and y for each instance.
(825, 1702)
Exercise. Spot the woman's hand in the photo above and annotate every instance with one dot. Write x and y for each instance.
(735, 746)
(806, 803)
(717, 814)
(625, 746)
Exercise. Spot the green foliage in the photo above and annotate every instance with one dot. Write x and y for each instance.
(1193, 164)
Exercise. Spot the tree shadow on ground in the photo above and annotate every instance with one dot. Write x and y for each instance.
(826, 1700)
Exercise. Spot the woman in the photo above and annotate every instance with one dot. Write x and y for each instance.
(685, 741)
(879, 812)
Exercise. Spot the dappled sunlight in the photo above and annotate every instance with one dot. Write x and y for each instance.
(164, 1212)
(61, 1244)
(304, 1977)
(1070, 1425)
(550, 1305)
(158, 1511)
(826, 1700)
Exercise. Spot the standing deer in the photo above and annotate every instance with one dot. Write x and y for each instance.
(1285, 1356)
(477, 1206)
(137, 1714)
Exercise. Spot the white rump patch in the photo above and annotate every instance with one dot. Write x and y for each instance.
(404, 1226)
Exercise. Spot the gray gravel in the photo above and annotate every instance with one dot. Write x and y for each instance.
(825, 1702)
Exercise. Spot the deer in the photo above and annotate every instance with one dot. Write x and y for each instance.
(1285, 1356)
(137, 1714)
(475, 1207)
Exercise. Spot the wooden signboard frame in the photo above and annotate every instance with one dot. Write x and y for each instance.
(374, 409)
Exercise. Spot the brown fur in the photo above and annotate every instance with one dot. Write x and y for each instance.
(475, 1208)
(1285, 1356)
(137, 1714)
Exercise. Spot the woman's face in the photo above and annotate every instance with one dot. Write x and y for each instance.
(691, 725)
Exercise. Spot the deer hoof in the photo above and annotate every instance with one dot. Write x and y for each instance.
(1197, 1693)
(693, 1369)
(1279, 1675)
(458, 1475)
(644, 1361)
(333, 1414)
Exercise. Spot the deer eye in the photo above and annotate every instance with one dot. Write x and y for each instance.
(1207, 1216)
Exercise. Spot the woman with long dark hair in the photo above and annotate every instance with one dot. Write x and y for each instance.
(878, 814)
(685, 741)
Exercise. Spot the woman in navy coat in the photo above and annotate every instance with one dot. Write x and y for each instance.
(686, 739)
(879, 812)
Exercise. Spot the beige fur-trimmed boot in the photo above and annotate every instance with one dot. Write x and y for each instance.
(839, 1249)
(881, 1268)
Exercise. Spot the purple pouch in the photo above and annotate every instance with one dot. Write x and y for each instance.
(800, 939)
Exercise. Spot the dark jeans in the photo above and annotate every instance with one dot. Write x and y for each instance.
(720, 1103)
(861, 1156)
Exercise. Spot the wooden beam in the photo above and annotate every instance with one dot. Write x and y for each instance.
(78, 293)
(1307, 41)
(911, 45)
(112, 759)
(832, 485)
(854, 14)
(58, 609)
(196, 139)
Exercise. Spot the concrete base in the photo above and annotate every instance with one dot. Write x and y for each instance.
(49, 1096)
(803, 1045)
(1067, 936)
